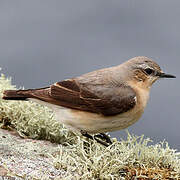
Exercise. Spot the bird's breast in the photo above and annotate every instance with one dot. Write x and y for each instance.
(142, 94)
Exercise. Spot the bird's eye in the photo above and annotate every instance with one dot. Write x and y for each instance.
(148, 71)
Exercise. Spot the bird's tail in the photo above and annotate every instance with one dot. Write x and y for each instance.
(17, 94)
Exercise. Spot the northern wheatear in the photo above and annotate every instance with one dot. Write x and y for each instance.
(100, 101)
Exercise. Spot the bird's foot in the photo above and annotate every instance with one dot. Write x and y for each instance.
(99, 138)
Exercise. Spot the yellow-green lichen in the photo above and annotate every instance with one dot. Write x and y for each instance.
(80, 158)
(119, 160)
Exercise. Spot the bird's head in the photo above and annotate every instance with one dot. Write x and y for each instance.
(145, 71)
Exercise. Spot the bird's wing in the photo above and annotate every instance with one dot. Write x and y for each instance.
(102, 99)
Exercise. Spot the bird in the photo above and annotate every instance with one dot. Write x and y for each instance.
(100, 101)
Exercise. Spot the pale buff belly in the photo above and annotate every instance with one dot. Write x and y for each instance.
(95, 123)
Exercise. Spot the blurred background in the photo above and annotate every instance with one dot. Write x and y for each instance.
(44, 41)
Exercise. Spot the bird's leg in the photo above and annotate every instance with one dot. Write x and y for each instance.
(85, 134)
(104, 136)
(101, 141)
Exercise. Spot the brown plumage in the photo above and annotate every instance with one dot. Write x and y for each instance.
(108, 100)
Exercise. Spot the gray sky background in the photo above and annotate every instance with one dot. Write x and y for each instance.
(43, 41)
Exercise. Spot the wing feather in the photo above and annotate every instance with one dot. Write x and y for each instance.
(106, 100)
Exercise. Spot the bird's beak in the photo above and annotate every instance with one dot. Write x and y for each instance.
(164, 75)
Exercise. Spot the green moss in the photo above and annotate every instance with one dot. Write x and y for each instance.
(84, 159)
